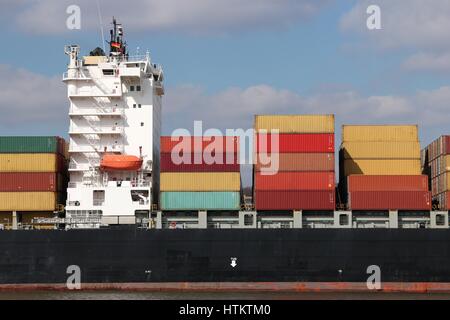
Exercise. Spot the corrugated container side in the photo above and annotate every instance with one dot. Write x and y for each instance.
(200, 201)
(299, 162)
(30, 182)
(390, 200)
(443, 200)
(295, 123)
(190, 145)
(229, 164)
(387, 183)
(381, 150)
(295, 143)
(382, 167)
(31, 162)
(440, 183)
(295, 200)
(380, 133)
(32, 144)
(440, 165)
(200, 181)
(29, 201)
(295, 181)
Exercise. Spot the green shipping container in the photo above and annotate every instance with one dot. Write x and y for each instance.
(32, 145)
(200, 201)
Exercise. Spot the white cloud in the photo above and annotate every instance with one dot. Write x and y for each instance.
(405, 23)
(29, 98)
(428, 61)
(416, 26)
(195, 16)
(235, 107)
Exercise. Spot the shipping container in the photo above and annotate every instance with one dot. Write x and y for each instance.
(382, 167)
(32, 162)
(442, 201)
(295, 143)
(224, 163)
(440, 165)
(390, 200)
(440, 183)
(200, 181)
(380, 133)
(294, 200)
(439, 147)
(381, 150)
(295, 123)
(295, 181)
(34, 181)
(32, 145)
(297, 162)
(207, 144)
(387, 183)
(29, 201)
(200, 201)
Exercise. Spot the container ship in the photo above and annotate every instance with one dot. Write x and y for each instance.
(130, 209)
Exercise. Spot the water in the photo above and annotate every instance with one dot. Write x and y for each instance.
(125, 295)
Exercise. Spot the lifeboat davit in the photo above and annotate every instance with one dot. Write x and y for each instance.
(119, 162)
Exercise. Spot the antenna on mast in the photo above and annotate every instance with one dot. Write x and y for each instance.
(101, 24)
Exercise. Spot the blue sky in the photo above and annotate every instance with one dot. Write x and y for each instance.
(225, 61)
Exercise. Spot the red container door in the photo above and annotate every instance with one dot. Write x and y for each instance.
(230, 164)
(295, 181)
(295, 143)
(390, 200)
(295, 200)
(387, 183)
(200, 144)
(28, 182)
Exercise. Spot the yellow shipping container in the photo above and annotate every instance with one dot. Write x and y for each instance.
(380, 133)
(296, 123)
(28, 201)
(382, 167)
(29, 162)
(200, 181)
(381, 150)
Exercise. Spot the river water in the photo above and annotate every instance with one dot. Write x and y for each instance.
(124, 295)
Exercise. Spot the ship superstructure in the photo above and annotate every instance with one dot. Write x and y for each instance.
(115, 124)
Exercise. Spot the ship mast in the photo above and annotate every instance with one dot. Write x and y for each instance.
(117, 45)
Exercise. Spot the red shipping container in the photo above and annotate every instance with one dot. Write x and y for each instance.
(200, 144)
(387, 183)
(390, 200)
(443, 201)
(30, 182)
(295, 200)
(299, 162)
(295, 143)
(295, 181)
(168, 165)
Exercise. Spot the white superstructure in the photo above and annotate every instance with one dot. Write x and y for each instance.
(115, 124)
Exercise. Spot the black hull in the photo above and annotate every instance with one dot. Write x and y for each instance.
(285, 255)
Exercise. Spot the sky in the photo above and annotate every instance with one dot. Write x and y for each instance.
(227, 60)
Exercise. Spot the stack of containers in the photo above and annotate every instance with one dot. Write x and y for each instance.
(380, 168)
(304, 178)
(33, 174)
(436, 160)
(209, 179)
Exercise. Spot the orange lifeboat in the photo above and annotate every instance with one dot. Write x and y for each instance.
(119, 162)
